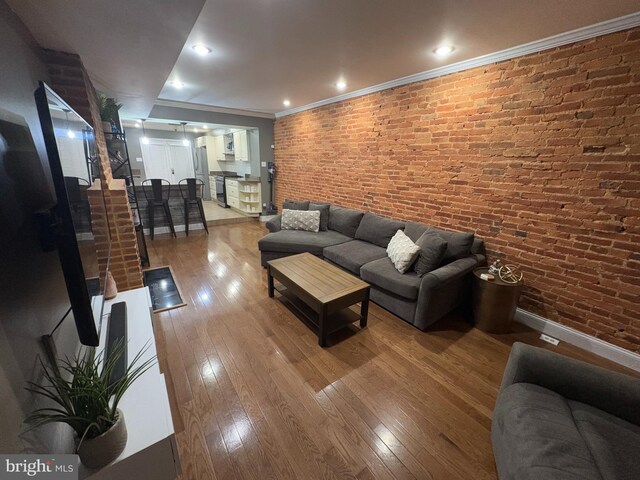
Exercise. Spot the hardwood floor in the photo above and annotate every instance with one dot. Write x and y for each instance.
(253, 395)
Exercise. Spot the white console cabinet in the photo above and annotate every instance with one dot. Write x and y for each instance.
(151, 451)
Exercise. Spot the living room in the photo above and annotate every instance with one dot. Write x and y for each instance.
(393, 242)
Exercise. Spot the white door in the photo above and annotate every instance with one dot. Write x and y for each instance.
(181, 161)
(155, 159)
(167, 159)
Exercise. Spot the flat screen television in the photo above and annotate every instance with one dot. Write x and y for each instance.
(71, 147)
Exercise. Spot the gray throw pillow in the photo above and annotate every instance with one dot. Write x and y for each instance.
(300, 220)
(295, 204)
(323, 208)
(344, 220)
(378, 230)
(432, 251)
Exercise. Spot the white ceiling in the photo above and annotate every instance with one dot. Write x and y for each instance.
(267, 50)
(129, 47)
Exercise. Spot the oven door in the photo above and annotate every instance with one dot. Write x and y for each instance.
(221, 197)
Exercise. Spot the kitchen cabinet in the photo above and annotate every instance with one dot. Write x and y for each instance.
(241, 146)
(218, 148)
(245, 196)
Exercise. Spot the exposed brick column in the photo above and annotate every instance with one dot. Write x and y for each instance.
(70, 80)
(124, 262)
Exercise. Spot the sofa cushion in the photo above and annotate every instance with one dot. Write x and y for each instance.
(352, 255)
(402, 251)
(614, 443)
(295, 204)
(383, 274)
(432, 250)
(323, 208)
(378, 230)
(535, 437)
(297, 241)
(458, 243)
(306, 220)
(344, 220)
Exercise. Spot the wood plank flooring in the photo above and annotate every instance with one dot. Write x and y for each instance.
(253, 396)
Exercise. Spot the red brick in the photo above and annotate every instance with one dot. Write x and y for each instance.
(545, 144)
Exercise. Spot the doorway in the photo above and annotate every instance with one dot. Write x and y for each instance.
(171, 160)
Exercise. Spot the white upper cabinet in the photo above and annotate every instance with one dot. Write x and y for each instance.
(241, 146)
(218, 142)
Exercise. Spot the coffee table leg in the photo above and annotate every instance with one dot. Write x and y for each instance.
(322, 328)
(364, 310)
(270, 281)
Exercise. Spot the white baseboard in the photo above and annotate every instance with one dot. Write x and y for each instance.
(579, 339)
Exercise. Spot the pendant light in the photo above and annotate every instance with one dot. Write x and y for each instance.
(144, 138)
(185, 142)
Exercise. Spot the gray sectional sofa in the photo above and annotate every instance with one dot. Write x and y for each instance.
(563, 419)
(356, 241)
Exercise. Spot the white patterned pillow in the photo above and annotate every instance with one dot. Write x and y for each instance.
(402, 251)
(308, 220)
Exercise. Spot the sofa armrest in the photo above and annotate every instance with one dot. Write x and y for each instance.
(612, 392)
(449, 273)
(273, 225)
(443, 290)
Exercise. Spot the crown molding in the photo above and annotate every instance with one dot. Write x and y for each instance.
(210, 108)
(579, 34)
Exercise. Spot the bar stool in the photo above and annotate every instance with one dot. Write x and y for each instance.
(77, 195)
(189, 191)
(156, 198)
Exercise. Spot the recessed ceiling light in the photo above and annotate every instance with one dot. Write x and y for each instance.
(176, 84)
(444, 50)
(201, 50)
(341, 85)
(286, 103)
(205, 127)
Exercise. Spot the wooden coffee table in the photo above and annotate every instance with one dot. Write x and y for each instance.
(320, 291)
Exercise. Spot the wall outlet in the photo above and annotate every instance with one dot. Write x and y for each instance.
(139, 159)
(264, 205)
(548, 339)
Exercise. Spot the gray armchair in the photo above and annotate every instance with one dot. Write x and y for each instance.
(560, 418)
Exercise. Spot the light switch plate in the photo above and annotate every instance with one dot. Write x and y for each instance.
(548, 339)
(139, 159)
(263, 164)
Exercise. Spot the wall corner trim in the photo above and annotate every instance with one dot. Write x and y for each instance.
(572, 36)
(582, 340)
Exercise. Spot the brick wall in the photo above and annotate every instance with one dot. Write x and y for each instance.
(539, 155)
(70, 80)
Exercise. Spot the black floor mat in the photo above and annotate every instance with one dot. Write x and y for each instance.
(163, 289)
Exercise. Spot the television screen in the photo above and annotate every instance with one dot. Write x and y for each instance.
(73, 157)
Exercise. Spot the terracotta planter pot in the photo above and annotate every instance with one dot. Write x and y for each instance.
(104, 449)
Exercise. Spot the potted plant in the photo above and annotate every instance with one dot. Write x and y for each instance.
(86, 399)
(109, 109)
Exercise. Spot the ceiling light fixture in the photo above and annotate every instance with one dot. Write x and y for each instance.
(144, 138)
(176, 84)
(185, 142)
(444, 50)
(286, 103)
(201, 50)
(341, 85)
(205, 127)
